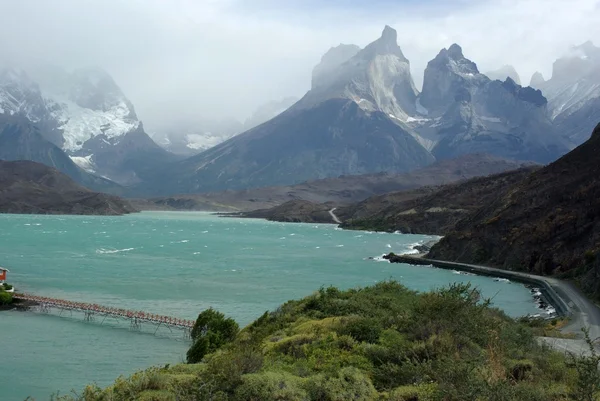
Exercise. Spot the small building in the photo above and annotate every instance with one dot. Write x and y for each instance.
(3, 272)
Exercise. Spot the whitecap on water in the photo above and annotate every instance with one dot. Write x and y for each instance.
(380, 259)
(339, 246)
(502, 280)
(204, 232)
(196, 253)
(389, 245)
(109, 251)
(462, 273)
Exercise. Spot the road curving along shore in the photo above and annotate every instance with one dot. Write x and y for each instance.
(567, 299)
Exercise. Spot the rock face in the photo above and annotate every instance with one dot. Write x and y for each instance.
(506, 71)
(573, 92)
(79, 112)
(377, 78)
(466, 112)
(549, 223)
(28, 187)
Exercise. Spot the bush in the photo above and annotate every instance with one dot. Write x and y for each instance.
(5, 298)
(7, 286)
(211, 331)
(422, 392)
(271, 386)
(363, 329)
(349, 384)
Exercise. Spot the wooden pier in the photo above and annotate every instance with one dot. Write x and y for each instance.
(95, 312)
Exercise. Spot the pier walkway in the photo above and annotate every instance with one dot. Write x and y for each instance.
(93, 312)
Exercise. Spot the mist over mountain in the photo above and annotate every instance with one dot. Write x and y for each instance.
(363, 114)
(573, 92)
(87, 116)
(506, 71)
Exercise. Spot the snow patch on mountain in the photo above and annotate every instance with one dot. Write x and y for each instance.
(86, 162)
(80, 124)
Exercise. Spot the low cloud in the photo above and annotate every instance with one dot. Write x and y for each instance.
(208, 59)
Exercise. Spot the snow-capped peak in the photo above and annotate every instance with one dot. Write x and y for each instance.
(79, 105)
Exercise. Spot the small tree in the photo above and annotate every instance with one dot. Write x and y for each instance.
(211, 331)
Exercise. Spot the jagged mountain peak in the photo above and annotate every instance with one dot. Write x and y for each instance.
(527, 94)
(377, 78)
(455, 52)
(577, 62)
(386, 44)
(454, 60)
(537, 79)
(446, 79)
(586, 49)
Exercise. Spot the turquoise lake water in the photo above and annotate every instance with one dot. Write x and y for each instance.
(177, 264)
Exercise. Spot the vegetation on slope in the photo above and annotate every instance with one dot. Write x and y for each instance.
(383, 342)
(548, 223)
(429, 210)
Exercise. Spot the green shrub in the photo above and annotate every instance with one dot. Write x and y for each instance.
(6, 298)
(363, 329)
(271, 386)
(349, 384)
(421, 392)
(211, 331)
(7, 286)
(383, 342)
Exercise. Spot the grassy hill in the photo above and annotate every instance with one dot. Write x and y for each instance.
(383, 342)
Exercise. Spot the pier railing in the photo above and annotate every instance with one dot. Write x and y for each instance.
(93, 312)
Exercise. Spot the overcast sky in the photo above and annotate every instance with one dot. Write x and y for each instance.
(210, 59)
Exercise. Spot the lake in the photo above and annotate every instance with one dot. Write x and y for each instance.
(178, 264)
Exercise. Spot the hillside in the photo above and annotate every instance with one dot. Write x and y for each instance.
(383, 342)
(22, 140)
(28, 187)
(548, 223)
(432, 210)
(342, 190)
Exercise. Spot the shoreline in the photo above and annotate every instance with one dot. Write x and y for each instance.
(545, 284)
(18, 304)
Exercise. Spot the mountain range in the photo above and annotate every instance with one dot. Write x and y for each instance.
(362, 115)
(337, 191)
(85, 115)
